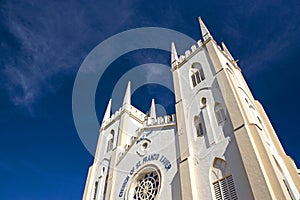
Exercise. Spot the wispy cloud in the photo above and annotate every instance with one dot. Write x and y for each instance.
(45, 40)
(22, 84)
(266, 29)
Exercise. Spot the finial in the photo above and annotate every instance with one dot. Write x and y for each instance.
(152, 110)
(127, 97)
(205, 32)
(107, 112)
(225, 49)
(174, 56)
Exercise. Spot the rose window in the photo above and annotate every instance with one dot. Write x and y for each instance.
(147, 186)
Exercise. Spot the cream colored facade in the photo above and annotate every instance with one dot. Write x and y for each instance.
(220, 145)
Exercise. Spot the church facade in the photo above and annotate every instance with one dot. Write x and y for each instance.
(219, 145)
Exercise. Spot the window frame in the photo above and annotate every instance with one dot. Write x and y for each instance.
(220, 114)
(110, 140)
(196, 74)
(223, 187)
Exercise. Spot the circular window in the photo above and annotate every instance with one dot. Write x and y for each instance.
(146, 185)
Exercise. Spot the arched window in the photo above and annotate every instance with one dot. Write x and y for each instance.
(222, 181)
(110, 139)
(220, 113)
(197, 74)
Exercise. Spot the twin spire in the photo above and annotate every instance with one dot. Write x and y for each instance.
(152, 110)
(204, 30)
(174, 58)
(127, 97)
(205, 35)
(107, 112)
(127, 100)
(174, 55)
(225, 49)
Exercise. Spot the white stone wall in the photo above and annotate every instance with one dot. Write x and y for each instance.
(162, 145)
(218, 140)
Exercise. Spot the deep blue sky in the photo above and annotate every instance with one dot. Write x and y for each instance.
(43, 43)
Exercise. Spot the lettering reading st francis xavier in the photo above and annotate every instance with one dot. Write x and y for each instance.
(152, 157)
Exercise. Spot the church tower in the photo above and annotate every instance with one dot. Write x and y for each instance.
(228, 148)
(221, 144)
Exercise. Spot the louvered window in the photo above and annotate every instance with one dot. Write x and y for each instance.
(222, 181)
(224, 189)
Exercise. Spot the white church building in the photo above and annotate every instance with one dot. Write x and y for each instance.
(219, 145)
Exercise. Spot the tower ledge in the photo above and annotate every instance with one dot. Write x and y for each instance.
(161, 122)
(188, 53)
(131, 110)
(195, 49)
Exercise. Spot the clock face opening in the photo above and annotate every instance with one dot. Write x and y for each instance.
(145, 184)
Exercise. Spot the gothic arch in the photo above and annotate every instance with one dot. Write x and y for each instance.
(219, 113)
(222, 181)
(196, 74)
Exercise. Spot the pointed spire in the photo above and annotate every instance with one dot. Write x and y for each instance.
(127, 97)
(152, 110)
(174, 56)
(107, 112)
(225, 49)
(205, 32)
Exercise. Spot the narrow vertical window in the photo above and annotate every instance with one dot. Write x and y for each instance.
(200, 130)
(95, 190)
(220, 113)
(105, 186)
(199, 125)
(202, 74)
(198, 77)
(110, 141)
(222, 181)
(193, 80)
